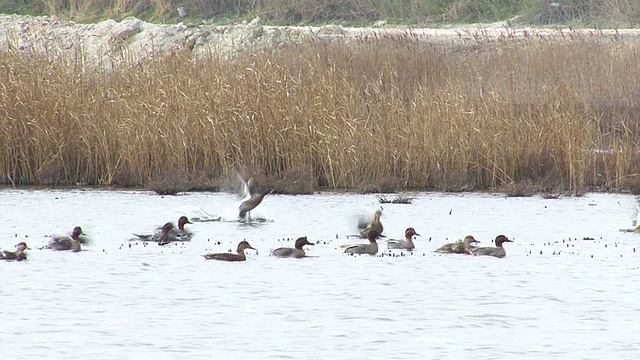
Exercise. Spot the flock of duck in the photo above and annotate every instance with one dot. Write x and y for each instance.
(372, 231)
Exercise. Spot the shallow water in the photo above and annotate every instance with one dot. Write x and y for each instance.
(113, 301)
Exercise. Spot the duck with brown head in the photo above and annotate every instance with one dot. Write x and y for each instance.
(179, 234)
(497, 251)
(240, 256)
(407, 243)
(371, 248)
(64, 243)
(17, 255)
(459, 247)
(295, 252)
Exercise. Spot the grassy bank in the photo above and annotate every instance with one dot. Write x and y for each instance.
(382, 114)
(617, 13)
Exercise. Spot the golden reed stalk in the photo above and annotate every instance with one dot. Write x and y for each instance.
(561, 114)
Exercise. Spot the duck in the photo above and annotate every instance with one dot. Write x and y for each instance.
(18, 255)
(240, 256)
(181, 234)
(407, 243)
(371, 248)
(497, 251)
(459, 247)
(252, 197)
(374, 225)
(63, 243)
(167, 233)
(295, 252)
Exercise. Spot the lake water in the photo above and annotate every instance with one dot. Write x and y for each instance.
(113, 301)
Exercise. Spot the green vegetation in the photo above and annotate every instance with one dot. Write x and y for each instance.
(616, 13)
(381, 114)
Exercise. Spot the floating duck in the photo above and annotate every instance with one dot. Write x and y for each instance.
(407, 243)
(64, 243)
(240, 256)
(459, 247)
(17, 255)
(295, 252)
(371, 248)
(180, 234)
(497, 251)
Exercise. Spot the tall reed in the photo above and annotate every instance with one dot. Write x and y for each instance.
(558, 114)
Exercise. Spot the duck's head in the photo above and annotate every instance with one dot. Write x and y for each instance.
(377, 215)
(302, 241)
(22, 246)
(243, 245)
(372, 235)
(469, 239)
(500, 239)
(182, 221)
(410, 232)
(166, 227)
(77, 231)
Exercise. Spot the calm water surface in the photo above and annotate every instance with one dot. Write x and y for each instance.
(113, 301)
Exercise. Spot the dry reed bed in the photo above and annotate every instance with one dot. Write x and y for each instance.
(386, 110)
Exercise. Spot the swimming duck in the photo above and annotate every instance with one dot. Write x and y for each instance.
(371, 248)
(497, 251)
(295, 252)
(407, 243)
(374, 225)
(459, 247)
(180, 234)
(17, 255)
(240, 256)
(62, 243)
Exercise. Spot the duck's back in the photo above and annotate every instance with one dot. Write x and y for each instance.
(490, 251)
(394, 244)
(60, 243)
(225, 257)
(448, 248)
(7, 255)
(370, 249)
(283, 252)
